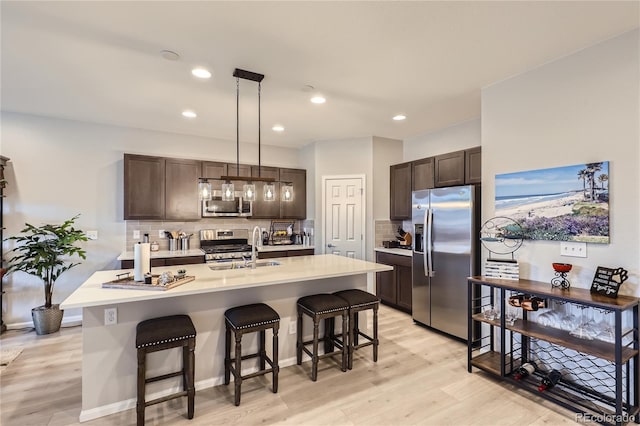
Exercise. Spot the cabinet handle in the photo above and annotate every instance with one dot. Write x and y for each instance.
(330, 245)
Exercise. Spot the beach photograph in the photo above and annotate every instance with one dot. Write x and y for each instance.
(568, 203)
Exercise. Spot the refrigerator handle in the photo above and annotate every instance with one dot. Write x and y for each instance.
(429, 238)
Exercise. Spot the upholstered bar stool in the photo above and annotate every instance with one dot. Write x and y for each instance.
(245, 319)
(158, 334)
(321, 307)
(360, 300)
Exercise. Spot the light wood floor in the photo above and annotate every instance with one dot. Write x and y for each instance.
(420, 378)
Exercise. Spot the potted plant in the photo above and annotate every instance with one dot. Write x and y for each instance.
(45, 252)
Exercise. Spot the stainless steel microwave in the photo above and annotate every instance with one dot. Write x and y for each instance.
(216, 207)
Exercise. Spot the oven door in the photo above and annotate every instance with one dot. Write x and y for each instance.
(216, 207)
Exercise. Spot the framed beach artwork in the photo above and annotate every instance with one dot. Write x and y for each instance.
(563, 203)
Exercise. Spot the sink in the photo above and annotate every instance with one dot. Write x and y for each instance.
(242, 265)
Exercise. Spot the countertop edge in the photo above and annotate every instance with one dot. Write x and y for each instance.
(398, 251)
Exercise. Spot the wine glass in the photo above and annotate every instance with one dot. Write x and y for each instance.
(605, 328)
(490, 313)
(511, 315)
(549, 318)
(585, 330)
(569, 321)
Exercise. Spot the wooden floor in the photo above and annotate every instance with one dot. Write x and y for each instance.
(420, 378)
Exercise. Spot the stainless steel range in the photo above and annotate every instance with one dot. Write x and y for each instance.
(225, 245)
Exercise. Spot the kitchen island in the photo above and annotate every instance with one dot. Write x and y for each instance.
(109, 354)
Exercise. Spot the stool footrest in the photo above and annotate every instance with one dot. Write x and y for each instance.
(257, 373)
(166, 398)
(163, 377)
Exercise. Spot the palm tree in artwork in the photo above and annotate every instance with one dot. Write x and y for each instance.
(582, 174)
(603, 178)
(592, 168)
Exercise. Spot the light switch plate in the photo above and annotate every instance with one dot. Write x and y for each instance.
(292, 327)
(573, 249)
(161, 233)
(136, 234)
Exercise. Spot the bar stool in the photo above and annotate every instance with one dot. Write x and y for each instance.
(321, 307)
(248, 319)
(360, 300)
(158, 334)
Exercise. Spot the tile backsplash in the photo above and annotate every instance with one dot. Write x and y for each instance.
(386, 230)
(153, 228)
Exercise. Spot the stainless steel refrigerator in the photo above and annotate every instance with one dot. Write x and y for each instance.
(445, 253)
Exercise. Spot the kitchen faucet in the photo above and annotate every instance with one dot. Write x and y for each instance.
(254, 243)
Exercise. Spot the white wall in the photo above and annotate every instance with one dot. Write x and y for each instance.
(579, 109)
(455, 138)
(385, 153)
(60, 168)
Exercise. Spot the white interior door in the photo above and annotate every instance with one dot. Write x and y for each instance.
(343, 209)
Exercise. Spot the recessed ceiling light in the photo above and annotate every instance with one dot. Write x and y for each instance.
(201, 73)
(189, 114)
(278, 128)
(318, 99)
(400, 117)
(169, 55)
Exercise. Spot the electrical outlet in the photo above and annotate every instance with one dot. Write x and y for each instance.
(573, 249)
(110, 316)
(136, 235)
(92, 235)
(292, 327)
(161, 233)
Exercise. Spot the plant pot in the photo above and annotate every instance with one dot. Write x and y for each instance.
(47, 320)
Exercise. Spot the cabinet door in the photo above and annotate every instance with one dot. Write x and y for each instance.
(386, 286)
(303, 252)
(181, 194)
(297, 207)
(144, 179)
(400, 191)
(422, 174)
(186, 260)
(403, 281)
(272, 254)
(213, 169)
(473, 165)
(232, 170)
(449, 169)
(265, 172)
(266, 209)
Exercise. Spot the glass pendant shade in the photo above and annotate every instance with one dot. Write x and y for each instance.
(249, 192)
(228, 191)
(204, 190)
(269, 192)
(287, 192)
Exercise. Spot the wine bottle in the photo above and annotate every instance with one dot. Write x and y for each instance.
(525, 370)
(533, 304)
(550, 380)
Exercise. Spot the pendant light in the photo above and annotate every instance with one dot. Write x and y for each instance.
(204, 190)
(249, 188)
(287, 192)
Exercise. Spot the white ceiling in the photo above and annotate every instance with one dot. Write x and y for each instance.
(100, 61)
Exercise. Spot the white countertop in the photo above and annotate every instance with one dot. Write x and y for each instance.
(284, 247)
(161, 254)
(399, 251)
(291, 269)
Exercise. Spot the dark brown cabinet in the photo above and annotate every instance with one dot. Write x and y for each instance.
(394, 287)
(144, 178)
(400, 191)
(422, 174)
(473, 165)
(181, 189)
(166, 261)
(266, 209)
(213, 169)
(265, 172)
(286, 253)
(449, 169)
(233, 170)
(297, 207)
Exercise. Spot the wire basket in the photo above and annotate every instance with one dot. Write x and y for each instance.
(281, 232)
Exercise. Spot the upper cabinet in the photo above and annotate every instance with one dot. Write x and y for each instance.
(422, 172)
(266, 209)
(243, 170)
(449, 169)
(181, 189)
(400, 191)
(473, 165)
(157, 188)
(144, 179)
(297, 207)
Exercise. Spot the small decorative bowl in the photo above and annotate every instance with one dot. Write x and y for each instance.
(561, 267)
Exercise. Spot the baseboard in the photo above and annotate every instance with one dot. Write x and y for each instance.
(66, 322)
(127, 404)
